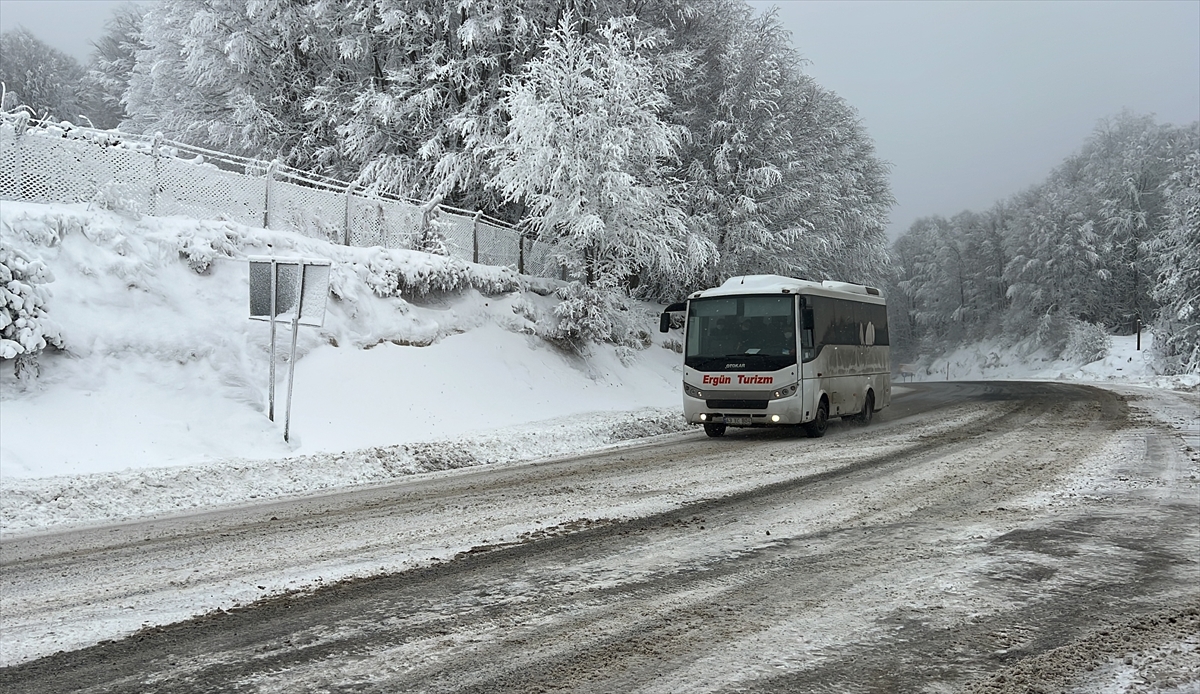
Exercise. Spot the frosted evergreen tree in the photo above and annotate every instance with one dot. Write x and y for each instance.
(585, 152)
(43, 79)
(1123, 166)
(776, 171)
(108, 74)
(233, 75)
(1176, 248)
(584, 155)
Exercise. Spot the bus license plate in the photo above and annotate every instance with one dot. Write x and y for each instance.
(738, 421)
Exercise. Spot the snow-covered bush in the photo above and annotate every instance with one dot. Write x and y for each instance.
(45, 229)
(597, 314)
(432, 236)
(586, 314)
(25, 330)
(1050, 332)
(201, 245)
(1086, 342)
(398, 272)
(123, 198)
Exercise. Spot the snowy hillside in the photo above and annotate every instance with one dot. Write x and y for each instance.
(161, 366)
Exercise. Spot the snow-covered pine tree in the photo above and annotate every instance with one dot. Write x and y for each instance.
(1122, 168)
(777, 173)
(41, 78)
(584, 154)
(233, 75)
(1055, 260)
(1176, 248)
(112, 63)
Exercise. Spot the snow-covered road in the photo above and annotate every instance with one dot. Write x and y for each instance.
(975, 532)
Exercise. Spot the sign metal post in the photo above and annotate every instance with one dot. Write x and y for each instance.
(293, 288)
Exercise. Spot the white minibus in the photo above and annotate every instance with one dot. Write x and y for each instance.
(766, 350)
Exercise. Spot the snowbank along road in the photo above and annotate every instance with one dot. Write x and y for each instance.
(1002, 537)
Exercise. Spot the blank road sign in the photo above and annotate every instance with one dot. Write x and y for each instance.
(300, 284)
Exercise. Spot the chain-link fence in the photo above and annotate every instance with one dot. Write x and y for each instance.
(57, 162)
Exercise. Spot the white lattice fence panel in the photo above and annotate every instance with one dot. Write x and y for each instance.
(9, 162)
(46, 169)
(402, 224)
(375, 222)
(204, 192)
(46, 162)
(497, 245)
(315, 213)
(457, 230)
(539, 261)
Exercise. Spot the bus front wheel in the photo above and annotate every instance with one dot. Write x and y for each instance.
(714, 430)
(816, 428)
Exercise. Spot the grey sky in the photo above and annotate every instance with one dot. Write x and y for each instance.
(975, 101)
(970, 101)
(68, 25)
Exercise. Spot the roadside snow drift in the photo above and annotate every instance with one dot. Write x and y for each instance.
(161, 367)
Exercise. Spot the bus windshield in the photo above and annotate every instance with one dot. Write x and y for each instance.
(741, 333)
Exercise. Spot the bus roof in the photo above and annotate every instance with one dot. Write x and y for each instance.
(778, 284)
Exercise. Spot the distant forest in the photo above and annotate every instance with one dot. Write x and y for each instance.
(660, 147)
(1110, 238)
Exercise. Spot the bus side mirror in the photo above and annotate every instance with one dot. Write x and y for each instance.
(664, 321)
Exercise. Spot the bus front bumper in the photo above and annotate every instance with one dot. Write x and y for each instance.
(765, 413)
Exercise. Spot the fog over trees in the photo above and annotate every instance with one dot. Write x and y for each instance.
(659, 147)
(1111, 237)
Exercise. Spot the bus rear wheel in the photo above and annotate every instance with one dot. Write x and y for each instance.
(864, 418)
(816, 428)
(714, 430)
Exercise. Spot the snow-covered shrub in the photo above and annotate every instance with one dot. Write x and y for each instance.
(1051, 331)
(122, 198)
(432, 237)
(45, 229)
(598, 314)
(25, 330)
(673, 345)
(523, 308)
(398, 272)
(585, 314)
(1086, 342)
(201, 245)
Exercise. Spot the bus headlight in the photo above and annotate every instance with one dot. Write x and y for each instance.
(692, 391)
(784, 392)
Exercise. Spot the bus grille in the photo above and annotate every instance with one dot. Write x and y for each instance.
(737, 404)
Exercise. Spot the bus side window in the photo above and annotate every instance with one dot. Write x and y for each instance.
(806, 329)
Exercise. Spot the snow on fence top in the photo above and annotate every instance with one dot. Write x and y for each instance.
(42, 161)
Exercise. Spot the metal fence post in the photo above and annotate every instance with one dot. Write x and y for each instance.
(155, 176)
(520, 254)
(19, 154)
(349, 216)
(475, 236)
(267, 196)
